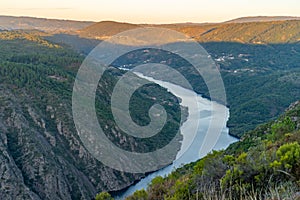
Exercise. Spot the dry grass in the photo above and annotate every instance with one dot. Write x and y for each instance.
(286, 191)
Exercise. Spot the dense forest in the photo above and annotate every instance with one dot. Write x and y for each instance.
(260, 80)
(42, 154)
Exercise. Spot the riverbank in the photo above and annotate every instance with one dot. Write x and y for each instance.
(201, 114)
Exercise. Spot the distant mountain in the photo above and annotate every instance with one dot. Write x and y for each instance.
(260, 32)
(106, 29)
(253, 30)
(254, 33)
(276, 29)
(262, 19)
(49, 25)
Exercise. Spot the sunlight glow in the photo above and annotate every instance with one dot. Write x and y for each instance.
(154, 11)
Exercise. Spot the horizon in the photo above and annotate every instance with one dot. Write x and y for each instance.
(108, 20)
(154, 12)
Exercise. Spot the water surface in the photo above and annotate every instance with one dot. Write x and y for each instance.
(200, 115)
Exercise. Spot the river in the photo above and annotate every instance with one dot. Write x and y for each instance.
(208, 110)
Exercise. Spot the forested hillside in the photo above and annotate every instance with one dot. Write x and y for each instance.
(41, 24)
(265, 164)
(260, 80)
(42, 156)
(258, 62)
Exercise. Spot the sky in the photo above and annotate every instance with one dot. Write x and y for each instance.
(149, 11)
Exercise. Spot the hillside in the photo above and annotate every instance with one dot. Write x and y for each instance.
(285, 31)
(49, 25)
(262, 19)
(258, 63)
(42, 156)
(260, 80)
(102, 30)
(254, 32)
(232, 30)
(246, 31)
(265, 164)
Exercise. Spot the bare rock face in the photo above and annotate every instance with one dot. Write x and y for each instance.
(12, 181)
(41, 156)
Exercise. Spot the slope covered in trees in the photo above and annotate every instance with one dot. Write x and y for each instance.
(42, 156)
(259, 63)
(36, 78)
(265, 164)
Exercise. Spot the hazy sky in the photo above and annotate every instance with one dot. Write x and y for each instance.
(149, 11)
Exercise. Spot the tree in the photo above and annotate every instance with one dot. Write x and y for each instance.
(103, 196)
(288, 156)
(138, 195)
(156, 189)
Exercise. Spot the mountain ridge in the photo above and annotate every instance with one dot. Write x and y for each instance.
(263, 32)
(104, 29)
(66, 25)
(261, 19)
(43, 24)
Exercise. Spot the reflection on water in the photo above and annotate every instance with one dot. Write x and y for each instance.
(191, 146)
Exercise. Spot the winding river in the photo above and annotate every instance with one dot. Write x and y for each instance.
(208, 110)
